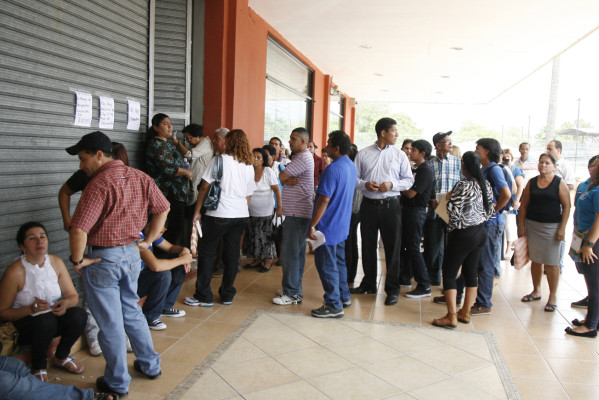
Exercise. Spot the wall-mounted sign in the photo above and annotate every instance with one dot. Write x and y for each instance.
(106, 113)
(134, 115)
(83, 109)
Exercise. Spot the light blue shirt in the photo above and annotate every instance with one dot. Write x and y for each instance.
(389, 164)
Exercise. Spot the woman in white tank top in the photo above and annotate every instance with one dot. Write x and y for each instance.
(38, 296)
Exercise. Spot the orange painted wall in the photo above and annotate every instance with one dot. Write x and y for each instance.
(235, 72)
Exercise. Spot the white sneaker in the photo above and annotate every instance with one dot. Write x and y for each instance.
(128, 344)
(192, 301)
(172, 312)
(157, 325)
(94, 349)
(285, 300)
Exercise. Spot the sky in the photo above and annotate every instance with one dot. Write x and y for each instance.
(530, 98)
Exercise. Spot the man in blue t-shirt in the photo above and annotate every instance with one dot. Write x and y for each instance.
(332, 214)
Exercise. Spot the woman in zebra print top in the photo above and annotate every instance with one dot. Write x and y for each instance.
(469, 205)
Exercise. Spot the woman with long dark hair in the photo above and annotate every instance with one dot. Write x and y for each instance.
(469, 205)
(165, 164)
(227, 222)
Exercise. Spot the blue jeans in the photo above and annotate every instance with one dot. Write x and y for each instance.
(16, 382)
(177, 278)
(591, 277)
(215, 229)
(413, 219)
(154, 285)
(111, 292)
(490, 257)
(293, 254)
(330, 263)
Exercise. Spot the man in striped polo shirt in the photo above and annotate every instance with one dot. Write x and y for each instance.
(298, 189)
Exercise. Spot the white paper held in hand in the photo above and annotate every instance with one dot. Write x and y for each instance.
(320, 239)
(199, 228)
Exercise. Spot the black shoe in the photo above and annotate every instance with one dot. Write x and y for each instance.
(391, 300)
(104, 388)
(576, 322)
(362, 290)
(418, 293)
(584, 303)
(137, 367)
(589, 334)
(327, 311)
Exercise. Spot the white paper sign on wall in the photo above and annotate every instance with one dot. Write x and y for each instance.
(83, 109)
(134, 115)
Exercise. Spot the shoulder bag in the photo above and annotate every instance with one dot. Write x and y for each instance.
(213, 195)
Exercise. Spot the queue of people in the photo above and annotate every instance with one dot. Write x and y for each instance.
(129, 235)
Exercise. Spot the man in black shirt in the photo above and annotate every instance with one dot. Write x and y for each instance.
(415, 200)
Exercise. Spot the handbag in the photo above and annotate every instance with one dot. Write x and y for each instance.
(521, 252)
(8, 338)
(213, 195)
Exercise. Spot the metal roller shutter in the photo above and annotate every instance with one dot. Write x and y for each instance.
(50, 49)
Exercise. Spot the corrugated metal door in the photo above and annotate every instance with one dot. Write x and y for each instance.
(170, 93)
(49, 49)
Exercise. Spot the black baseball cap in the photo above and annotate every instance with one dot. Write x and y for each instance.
(92, 141)
(439, 136)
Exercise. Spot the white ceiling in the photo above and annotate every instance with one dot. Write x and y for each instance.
(401, 50)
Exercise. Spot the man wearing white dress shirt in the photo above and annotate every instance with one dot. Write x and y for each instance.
(383, 172)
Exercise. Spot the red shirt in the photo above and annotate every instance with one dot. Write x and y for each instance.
(114, 206)
(318, 168)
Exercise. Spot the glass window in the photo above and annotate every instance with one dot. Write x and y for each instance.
(336, 108)
(288, 94)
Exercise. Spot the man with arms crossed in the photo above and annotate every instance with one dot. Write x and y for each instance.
(383, 172)
(298, 188)
(332, 215)
(110, 214)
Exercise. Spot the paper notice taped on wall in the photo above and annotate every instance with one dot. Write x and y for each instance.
(106, 113)
(83, 109)
(133, 115)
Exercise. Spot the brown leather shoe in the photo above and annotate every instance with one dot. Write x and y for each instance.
(449, 321)
(464, 316)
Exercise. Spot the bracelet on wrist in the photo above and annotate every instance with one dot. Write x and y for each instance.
(588, 243)
(74, 262)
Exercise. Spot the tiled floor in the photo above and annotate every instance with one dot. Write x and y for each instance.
(316, 359)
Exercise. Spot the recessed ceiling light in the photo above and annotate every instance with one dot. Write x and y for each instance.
(377, 74)
(445, 76)
(456, 48)
(365, 46)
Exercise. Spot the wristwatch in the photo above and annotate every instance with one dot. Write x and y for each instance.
(312, 228)
(74, 262)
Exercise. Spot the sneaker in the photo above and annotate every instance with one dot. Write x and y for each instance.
(172, 312)
(477, 309)
(281, 293)
(227, 302)
(192, 301)
(94, 349)
(327, 311)
(157, 325)
(418, 293)
(285, 300)
(584, 303)
(346, 303)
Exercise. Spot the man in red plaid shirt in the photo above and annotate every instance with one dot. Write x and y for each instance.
(112, 211)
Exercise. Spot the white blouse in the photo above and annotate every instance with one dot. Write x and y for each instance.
(40, 283)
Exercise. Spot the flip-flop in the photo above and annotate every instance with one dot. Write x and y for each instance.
(550, 307)
(528, 298)
(69, 364)
(41, 374)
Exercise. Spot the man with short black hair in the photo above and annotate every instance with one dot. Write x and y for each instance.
(526, 163)
(447, 170)
(278, 145)
(414, 202)
(110, 214)
(383, 172)
(489, 151)
(298, 182)
(332, 215)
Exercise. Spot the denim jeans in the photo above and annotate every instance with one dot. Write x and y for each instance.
(215, 229)
(154, 285)
(16, 382)
(498, 249)
(413, 219)
(330, 263)
(490, 257)
(111, 292)
(293, 254)
(435, 236)
(172, 294)
(591, 276)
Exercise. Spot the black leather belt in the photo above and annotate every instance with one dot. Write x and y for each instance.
(380, 202)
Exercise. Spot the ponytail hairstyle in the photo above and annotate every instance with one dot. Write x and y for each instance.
(471, 162)
(156, 120)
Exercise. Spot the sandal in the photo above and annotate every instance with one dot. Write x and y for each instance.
(106, 396)
(41, 374)
(69, 364)
(529, 297)
(550, 307)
